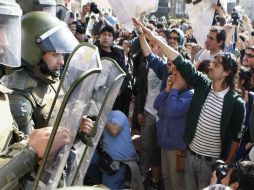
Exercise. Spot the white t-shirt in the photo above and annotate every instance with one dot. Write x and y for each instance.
(153, 90)
(205, 55)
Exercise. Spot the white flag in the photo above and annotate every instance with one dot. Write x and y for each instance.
(201, 17)
(126, 9)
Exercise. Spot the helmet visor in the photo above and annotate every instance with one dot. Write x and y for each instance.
(59, 39)
(10, 40)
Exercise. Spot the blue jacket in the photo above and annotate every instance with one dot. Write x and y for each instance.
(172, 109)
(159, 66)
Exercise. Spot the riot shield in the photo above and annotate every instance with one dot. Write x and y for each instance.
(83, 59)
(77, 84)
(105, 92)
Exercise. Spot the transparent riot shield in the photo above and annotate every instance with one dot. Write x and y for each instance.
(77, 85)
(105, 92)
(84, 58)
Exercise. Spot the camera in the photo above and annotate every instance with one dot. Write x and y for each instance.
(94, 8)
(236, 17)
(219, 4)
(221, 170)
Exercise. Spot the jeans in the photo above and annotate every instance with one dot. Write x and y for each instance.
(96, 175)
(150, 151)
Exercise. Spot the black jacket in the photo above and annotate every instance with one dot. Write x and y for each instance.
(123, 99)
(140, 75)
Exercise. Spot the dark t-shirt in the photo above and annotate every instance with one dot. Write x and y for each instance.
(107, 54)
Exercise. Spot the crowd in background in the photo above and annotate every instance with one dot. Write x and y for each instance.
(146, 85)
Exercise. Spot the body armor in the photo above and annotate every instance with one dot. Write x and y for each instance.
(31, 101)
(5, 119)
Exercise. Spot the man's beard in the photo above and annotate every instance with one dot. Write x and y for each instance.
(46, 71)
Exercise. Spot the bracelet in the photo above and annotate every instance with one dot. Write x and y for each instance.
(139, 33)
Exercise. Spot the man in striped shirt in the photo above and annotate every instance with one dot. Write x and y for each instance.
(215, 117)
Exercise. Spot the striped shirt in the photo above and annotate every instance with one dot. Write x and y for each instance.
(207, 139)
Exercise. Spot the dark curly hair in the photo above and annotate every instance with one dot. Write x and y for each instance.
(229, 63)
(246, 75)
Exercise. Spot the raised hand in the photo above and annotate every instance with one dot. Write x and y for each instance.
(143, 30)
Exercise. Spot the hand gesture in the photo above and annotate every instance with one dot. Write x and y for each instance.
(240, 44)
(179, 82)
(245, 19)
(142, 29)
(170, 83)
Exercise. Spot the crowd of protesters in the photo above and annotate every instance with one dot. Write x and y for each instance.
(192, 102)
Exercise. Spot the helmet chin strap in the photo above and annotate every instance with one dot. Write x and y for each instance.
(46, 71)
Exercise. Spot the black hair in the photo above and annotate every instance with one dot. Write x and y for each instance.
(153, 22)
(109, 29)
(229, 64)
(246, 174)
(167, 33)
(246, 75)
(204, 66)
(120, 42)
(160, 25)
(220, 36)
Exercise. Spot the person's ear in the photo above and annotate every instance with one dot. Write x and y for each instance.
(226, 73)
(234, 185)
(220, 42)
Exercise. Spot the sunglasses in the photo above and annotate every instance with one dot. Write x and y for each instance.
(249, 55)
(174, 38)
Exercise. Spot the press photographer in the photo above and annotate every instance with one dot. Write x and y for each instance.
(238, 176)
(236, 17)
(81, 25)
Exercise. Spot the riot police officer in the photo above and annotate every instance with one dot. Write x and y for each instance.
(44, 40)
(19, 158)
(10, 46)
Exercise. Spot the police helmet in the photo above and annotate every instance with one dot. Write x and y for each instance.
(42, 32)
(10, 33)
